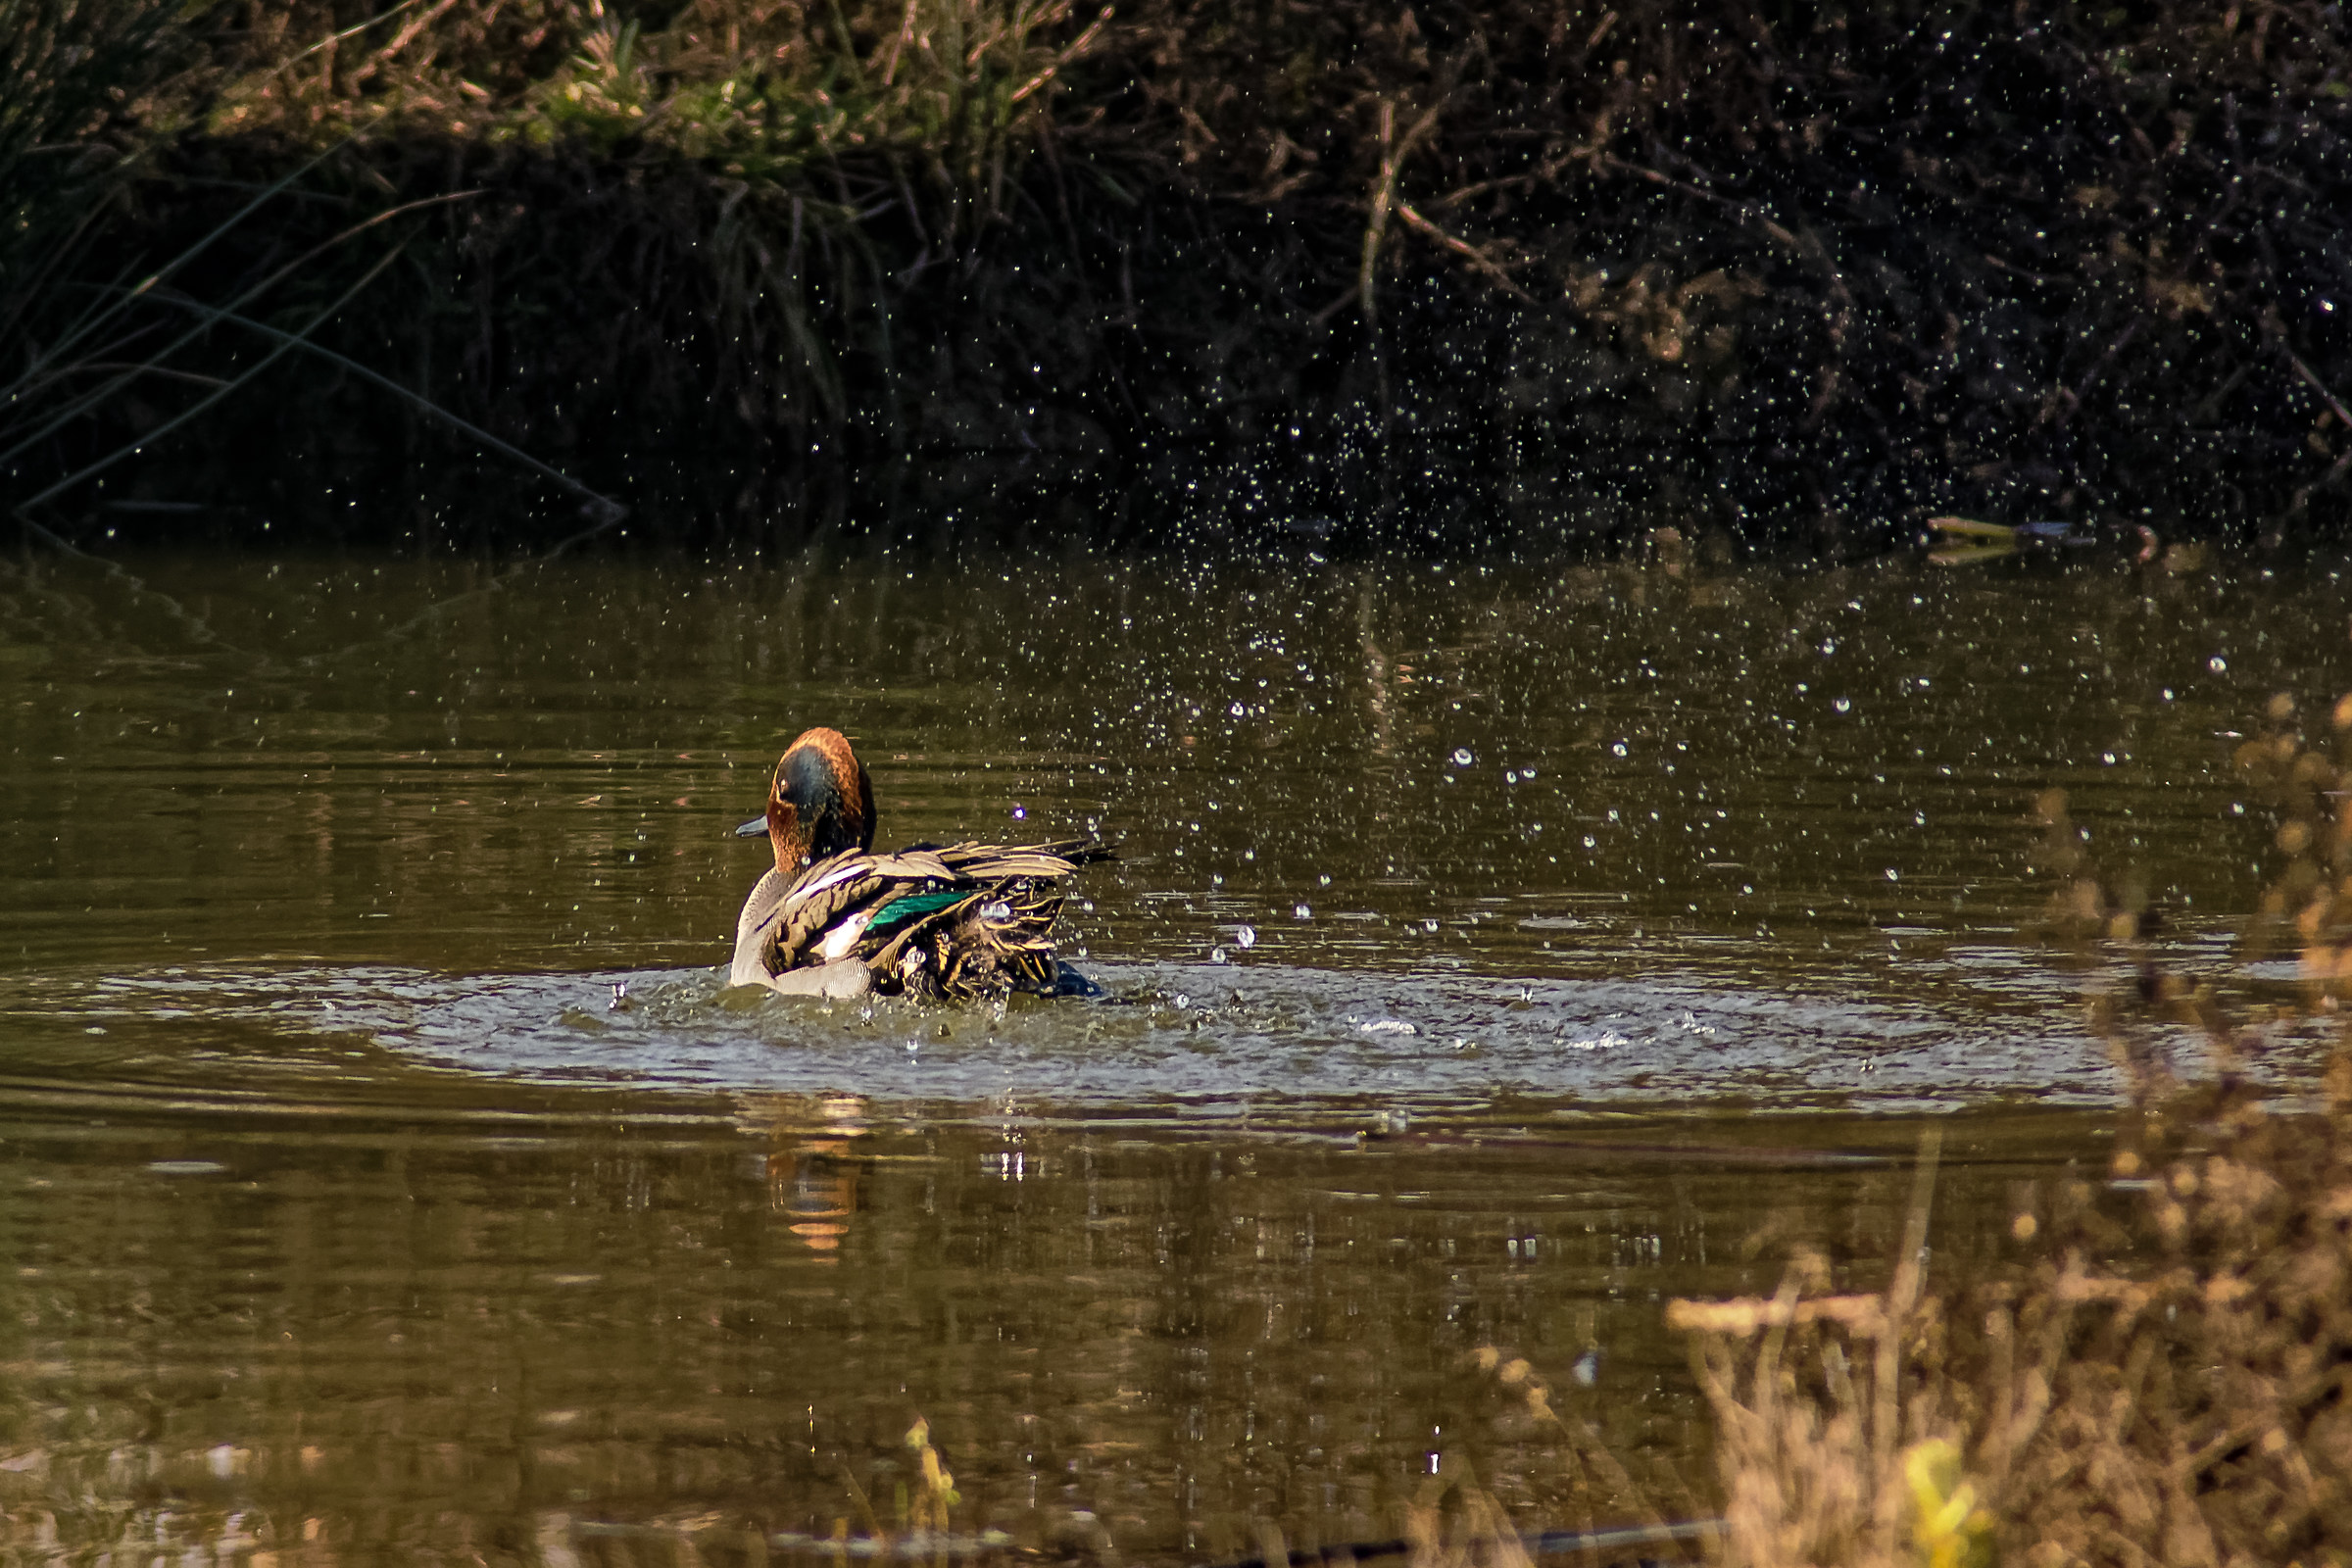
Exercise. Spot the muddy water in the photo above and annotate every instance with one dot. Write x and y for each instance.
(385, 1174)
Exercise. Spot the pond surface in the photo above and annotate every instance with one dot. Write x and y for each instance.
(386, 1175)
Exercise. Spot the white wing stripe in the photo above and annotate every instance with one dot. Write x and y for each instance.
(844, 937)
(833, 878)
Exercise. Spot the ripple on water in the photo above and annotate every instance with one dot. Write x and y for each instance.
(1205, 1041)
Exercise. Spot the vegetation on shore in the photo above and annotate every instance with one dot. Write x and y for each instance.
(2166, 1374)
(1463, 270)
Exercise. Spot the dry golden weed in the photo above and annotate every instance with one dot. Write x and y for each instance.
(2189, 1404)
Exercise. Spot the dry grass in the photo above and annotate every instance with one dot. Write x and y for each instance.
(2303, 777)
(2166, 1377)
(927, 96)
(2194, 1409)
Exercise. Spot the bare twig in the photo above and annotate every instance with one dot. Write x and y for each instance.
(1394, 150)
(2343, 461)
(1477, 259)
(1747, 209)
(407, 34)
(1323, 317)
(1072, 50)
(1376, 221)
(2312, 376)
(2064, 404)
(899, 40)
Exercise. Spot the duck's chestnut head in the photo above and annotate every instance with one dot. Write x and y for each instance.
(819, 802)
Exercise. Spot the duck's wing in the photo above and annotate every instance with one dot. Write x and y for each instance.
(991, 933)
(819, 915)
(964, 943)
(974, 899)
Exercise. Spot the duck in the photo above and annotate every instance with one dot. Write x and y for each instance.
(954, 922)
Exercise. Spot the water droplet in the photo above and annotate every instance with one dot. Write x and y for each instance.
(1239, 711)
(1618, 748)
(1893, 875)
(1246, 938)
(2217, 663)
(1462, 757)
(1301, 913)
(1020, 813)
(1216, 954)
(1843, 705)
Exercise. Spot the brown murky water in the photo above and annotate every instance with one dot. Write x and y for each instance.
(1497, 954)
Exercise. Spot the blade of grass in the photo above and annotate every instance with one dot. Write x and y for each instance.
(87, 401)
(204, 403)
(607, 508)
(226, 226)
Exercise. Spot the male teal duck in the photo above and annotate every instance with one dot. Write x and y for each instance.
(833, 918)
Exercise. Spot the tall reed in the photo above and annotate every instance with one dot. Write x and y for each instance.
(78, 113)
(2163, 1373)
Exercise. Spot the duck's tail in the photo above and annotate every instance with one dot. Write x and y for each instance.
(985, 863)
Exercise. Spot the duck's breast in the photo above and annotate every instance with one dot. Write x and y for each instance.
(755, 930)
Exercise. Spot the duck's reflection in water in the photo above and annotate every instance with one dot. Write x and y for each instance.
(813, 1162)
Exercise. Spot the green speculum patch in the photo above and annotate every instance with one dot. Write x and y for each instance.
(913, 906)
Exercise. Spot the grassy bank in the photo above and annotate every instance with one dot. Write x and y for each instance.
(1452, 273)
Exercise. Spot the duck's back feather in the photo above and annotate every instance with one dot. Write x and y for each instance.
(954, 920)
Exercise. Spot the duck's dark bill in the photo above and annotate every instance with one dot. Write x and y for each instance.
(756, 829)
